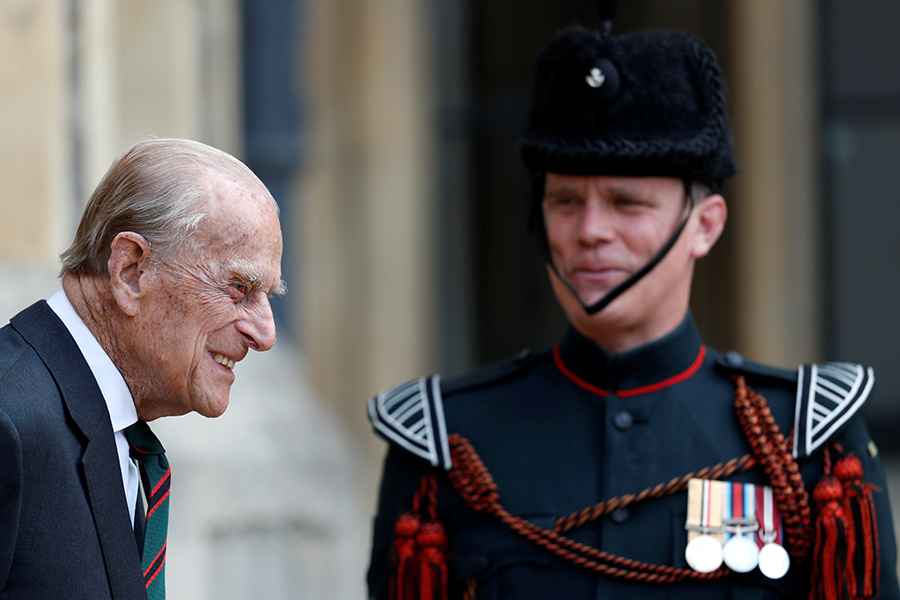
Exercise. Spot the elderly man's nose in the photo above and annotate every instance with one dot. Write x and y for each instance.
(258, 330)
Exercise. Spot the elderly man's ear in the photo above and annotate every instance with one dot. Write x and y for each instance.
(128, 253)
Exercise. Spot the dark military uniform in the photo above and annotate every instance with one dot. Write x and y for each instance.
(561, 430)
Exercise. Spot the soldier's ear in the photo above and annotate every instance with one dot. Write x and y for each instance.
(710, 214)
(127, 256)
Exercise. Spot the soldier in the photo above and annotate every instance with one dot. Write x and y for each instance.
(630, 460)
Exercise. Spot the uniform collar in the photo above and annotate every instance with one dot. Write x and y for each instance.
(654, 366)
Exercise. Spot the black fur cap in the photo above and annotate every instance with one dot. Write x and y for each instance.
(650, 103)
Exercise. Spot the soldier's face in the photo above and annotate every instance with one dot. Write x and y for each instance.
(603, 229)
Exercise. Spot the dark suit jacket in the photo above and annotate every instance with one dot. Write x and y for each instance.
(64, 525)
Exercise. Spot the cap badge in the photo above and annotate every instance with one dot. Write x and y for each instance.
(595, 78)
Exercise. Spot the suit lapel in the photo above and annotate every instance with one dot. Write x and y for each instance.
(43, 330)
(123, 564)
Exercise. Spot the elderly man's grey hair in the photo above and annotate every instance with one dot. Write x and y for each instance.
(153, 188)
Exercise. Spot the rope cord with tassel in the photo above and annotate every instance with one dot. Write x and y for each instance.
(845, 562)
(420, 549)
(862, 534)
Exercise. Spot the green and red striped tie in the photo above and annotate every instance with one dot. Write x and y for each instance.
(155, 479)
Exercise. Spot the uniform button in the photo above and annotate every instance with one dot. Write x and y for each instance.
(620, 515)
(623, 420)
(734, 359)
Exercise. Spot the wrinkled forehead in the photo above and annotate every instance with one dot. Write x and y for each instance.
(240, 226)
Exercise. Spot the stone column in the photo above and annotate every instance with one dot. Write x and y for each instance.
(368, 204)
(35, 167)
(776, 214)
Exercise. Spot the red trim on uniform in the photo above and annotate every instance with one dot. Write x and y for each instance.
(666, 382)
(578, 380)
(686, 374)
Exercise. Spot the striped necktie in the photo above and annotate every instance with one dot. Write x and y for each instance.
(154, 467)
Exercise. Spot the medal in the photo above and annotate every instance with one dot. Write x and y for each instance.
(704, 551)
(736, 524)
(740, 552)
(774, 561)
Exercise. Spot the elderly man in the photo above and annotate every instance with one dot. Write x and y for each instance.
(164, 290)
(630, 460)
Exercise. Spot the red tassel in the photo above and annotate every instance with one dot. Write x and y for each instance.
(404, 572)
(420, 549)
(432, 561)
(830, 555)
(862, 530)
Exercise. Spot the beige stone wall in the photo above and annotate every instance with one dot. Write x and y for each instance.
(776, 214)
(368, 199)
(81, 80)
(36, 201)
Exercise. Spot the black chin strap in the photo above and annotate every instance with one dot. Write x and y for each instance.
(637, 276)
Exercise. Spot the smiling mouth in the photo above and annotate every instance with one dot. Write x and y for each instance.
(597, 274)
(223, 360)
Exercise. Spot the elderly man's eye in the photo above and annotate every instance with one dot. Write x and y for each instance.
(239, 290)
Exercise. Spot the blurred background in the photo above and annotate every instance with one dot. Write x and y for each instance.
(386, 130)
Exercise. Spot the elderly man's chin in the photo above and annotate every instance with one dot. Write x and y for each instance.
(213, 406)
(208, 402)
(209, 410)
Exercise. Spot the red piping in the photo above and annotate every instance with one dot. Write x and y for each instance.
(686, 374)
(578, 380)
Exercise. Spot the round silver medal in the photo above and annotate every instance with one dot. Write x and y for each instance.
(704, 554)
(774, 561)
(740, 554)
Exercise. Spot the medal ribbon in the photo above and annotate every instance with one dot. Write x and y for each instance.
(770, 518)
(743, 501)
(704, 514)
(728, 507)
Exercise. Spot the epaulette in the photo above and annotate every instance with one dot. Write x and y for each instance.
(828, 396)
(411, 415)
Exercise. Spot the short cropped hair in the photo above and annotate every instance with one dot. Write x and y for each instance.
(153, 188)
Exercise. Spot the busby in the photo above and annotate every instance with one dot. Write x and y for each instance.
(650, 103)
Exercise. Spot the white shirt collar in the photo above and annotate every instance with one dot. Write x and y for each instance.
(115, 391)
